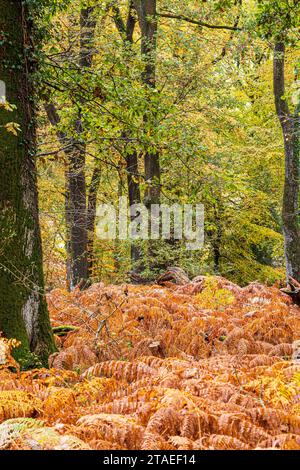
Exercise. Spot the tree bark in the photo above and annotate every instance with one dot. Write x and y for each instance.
(67, 144)
(78, 245)
(290, 129)
(91, 215)
(132, 169)
(134, 197)
(147, 15)
(131, 156)
(23, 308)
(76, 173)
(148, 22)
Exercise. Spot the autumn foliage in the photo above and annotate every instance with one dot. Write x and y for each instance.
(206, 365)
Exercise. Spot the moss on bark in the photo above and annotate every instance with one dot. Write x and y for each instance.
(23, 309)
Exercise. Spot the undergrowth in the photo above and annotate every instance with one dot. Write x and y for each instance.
(207, 365)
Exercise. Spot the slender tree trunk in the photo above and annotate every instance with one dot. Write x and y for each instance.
(67, 234)
(134, 197)
(290, 128)
(91, 215)
(76, 174)
(217, 235)
(148, 22)
(68, 145)
(23, 309)
(132, 168)
(77, 218)
(131, 156)
(147, 14)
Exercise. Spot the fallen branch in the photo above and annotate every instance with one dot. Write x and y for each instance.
(293, 290)
(63, 330)
(173, 274)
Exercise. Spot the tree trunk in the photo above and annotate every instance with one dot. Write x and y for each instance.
(132, 169)
(67, 234)
(78, 245)
(146, 10)
(76, 174)
(290, 128)
(91, 215)
(134, 197)
(217, 237)
(77, 216)
(67, 144)
(133, 186)
(23, 308)
(148, 22)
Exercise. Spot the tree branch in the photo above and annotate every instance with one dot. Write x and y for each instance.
(66, 143)
(130, 23)
(125, 30)
(197, 22)
(118, 20)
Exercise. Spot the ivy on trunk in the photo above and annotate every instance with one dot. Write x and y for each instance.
(23, 308)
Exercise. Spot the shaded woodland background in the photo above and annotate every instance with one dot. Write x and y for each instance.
(203, 111)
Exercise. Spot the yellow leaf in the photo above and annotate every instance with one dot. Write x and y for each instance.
(12, 128)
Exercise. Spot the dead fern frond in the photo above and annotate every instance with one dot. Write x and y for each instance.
(17, 404)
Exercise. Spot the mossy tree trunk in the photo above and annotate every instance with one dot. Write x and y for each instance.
(23, 309)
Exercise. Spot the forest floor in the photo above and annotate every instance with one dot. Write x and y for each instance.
(206, 365)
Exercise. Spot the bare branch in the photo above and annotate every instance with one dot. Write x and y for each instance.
(197, 22)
